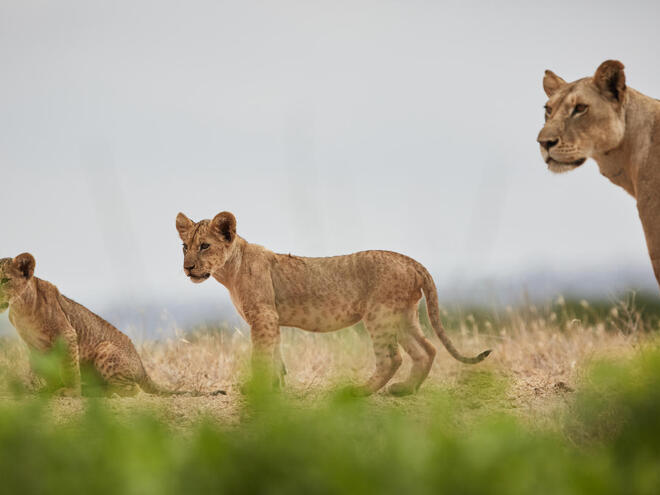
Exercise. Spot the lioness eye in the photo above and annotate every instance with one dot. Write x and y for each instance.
(579, 108)
(548, 110)
(203, 246)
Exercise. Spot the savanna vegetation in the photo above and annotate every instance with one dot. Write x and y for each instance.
(569, 402)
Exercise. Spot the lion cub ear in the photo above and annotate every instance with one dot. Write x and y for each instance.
(610, 79)
(25, 264)
(184, 225)
(551, 83)
(224, 224)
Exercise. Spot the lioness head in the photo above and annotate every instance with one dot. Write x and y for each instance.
(583, 119)
(207, 244)
(14, 277)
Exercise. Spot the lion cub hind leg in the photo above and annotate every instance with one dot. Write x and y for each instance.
(382, 327)
(116, 370)
(421, 351)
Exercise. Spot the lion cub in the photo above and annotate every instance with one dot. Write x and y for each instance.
(42, 316)
(270, 290)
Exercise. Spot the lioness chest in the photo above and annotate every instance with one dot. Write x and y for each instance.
(619, 177)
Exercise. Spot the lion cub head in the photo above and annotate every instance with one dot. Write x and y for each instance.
(207, 244)
(583, 119)
(14, 277)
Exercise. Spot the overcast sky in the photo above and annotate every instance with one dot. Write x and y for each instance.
(325, 127)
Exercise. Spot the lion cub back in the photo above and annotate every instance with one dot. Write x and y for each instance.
(92, 330)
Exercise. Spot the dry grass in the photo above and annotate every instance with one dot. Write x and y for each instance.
(539, 357)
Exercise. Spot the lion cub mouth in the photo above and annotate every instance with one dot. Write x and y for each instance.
(198, 278)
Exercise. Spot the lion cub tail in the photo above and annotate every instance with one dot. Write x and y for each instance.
(431, 295)
(151, 387)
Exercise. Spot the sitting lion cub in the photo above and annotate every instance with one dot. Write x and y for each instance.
(270, 290)
(42, 316)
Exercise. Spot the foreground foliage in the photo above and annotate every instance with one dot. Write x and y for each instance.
(607, 442)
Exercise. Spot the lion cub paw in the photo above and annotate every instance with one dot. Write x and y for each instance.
(356, 391)
(67, 392)
(257, 388)
(400, 389)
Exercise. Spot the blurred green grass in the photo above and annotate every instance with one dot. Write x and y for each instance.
(608, 442)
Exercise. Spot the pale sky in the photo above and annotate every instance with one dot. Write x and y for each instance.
(325, 127)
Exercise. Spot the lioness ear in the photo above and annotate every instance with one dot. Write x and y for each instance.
(184, 225)
(551, 83)
(224, 224)
(25, 264)
(610, 79)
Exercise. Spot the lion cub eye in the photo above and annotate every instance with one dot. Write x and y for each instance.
(4, 281)
(203, 246)
(580, 108)
(185, 247)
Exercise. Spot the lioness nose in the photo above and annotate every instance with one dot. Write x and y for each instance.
(548, 143)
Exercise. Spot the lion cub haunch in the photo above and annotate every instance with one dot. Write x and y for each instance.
(270, 290)
(600, 117)
(42, 316)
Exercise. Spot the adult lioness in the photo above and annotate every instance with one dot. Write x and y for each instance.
(271, 290)
(599, 117)
(42, 316)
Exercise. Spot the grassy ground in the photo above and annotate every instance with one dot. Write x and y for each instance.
(540, 353)
(543, 406)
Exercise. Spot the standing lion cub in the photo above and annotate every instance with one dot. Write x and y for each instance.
(42, 316)
(270, 290)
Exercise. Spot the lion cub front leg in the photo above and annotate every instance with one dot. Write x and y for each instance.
(71, 365)
(265, 337)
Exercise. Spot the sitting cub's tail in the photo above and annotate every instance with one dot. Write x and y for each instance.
(151, 387)
(431, 295)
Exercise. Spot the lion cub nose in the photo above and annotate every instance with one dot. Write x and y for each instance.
(189, 266)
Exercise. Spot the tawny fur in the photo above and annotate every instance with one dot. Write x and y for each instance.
(270, 290)
(619, 129)
(42, 316)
